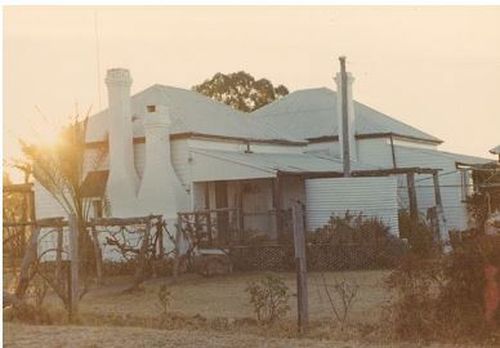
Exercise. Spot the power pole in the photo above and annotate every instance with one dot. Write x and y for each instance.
(346, 155)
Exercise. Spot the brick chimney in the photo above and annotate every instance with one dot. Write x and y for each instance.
(161, 191)
(123, 180)
(157, 190)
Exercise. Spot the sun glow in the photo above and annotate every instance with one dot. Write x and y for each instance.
(47, 137)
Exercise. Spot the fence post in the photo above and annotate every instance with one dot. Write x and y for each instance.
(439, 206)
(300, 262)
(159, 230)
(98, 255)
(59, 250)
(141, 258)
(412, 197)
(73, 238)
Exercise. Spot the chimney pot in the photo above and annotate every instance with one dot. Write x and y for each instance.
(118, 76)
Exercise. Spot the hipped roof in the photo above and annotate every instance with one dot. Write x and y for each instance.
(300, 116)
(312, 114)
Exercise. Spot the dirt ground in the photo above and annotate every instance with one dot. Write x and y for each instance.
(197, 296)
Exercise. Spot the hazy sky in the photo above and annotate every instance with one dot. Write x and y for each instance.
(436, 68)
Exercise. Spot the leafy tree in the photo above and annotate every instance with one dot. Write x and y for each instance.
(241, 91)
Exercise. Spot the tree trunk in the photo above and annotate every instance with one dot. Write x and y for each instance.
(98, 256)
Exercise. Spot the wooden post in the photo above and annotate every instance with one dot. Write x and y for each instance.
(141, 258)
(59, 250)
(13, 234)
(159, 230)
(241, 216)
(300, 259)
(177, 259)
(412, 197)
(277, 205)
(29, 257)
(73, 243)
(98, 256)
(439, 205)
(393, 152)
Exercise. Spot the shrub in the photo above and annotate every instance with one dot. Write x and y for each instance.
(422, 240)
(210, 265)
(477, 206)
(350, 228)
(341, 296)
(363, 242)
(164, 298)
(28, 313)
(416, 285)
(39, 290)
(269, 297)
(442, 298)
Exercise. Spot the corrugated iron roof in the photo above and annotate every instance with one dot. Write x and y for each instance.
(434, 157)
(283, 162)
(312, 113)
(190, 112)
(304, 114)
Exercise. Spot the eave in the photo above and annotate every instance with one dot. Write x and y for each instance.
(329, 138)
(201, 136)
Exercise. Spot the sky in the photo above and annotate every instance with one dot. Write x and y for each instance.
(435, 68)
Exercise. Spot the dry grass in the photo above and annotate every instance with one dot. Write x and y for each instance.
(27, 336)
(224, 296)
(31, 336)
(215, 309)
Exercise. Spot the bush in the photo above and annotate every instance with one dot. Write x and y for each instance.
(416, 285)
(27, 313)
(269, 297)
(351, 228)
(442, 298)
(356, 241)
(422, 241)
(341, 296)
(210, 265)
(164, 298)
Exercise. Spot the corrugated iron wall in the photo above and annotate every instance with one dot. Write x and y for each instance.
(372, 197)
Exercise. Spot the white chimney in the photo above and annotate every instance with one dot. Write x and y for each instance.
(161, 191)
(123, 180)
(351, 130)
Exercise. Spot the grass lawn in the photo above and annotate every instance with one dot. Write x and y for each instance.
(200, 297)
(225, 296)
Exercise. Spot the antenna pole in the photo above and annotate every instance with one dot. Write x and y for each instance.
(346, 155)
(98, 61)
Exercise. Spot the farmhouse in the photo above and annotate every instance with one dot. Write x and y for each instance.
(175, 152)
